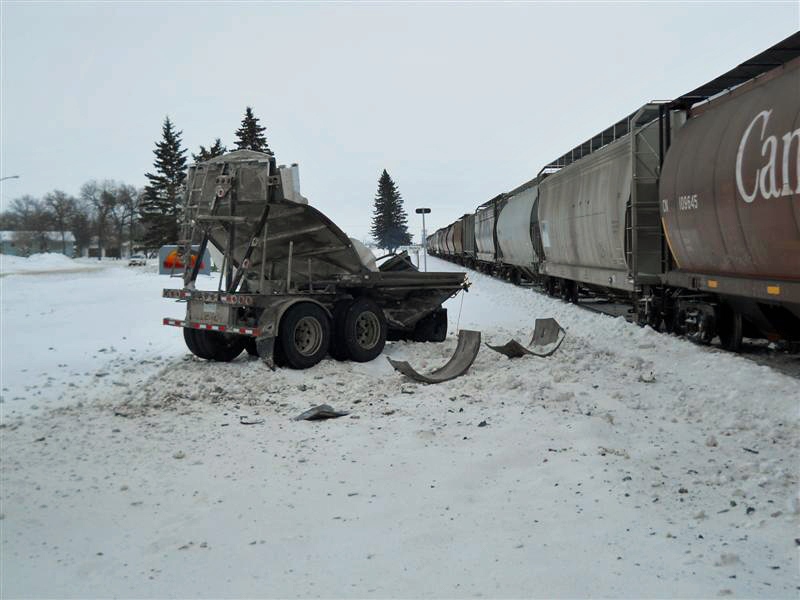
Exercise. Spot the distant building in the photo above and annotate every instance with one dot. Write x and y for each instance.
(110, 249)
(25, 243)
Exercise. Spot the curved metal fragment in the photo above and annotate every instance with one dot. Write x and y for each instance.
(469, 342)
(547, 337)
(318, 413)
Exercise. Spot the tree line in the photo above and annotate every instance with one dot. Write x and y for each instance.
(118, 215)
(109, 215)
(103, 211)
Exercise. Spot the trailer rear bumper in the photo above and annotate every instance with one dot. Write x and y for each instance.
(249, 331)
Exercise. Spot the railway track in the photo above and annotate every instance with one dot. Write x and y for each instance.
(784, 359)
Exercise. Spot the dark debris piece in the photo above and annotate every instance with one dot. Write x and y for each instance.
(318, 413)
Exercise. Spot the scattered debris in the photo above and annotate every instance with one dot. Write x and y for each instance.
(323, 411)
(179, 454)
(651, 378)
(727, 559)
(603, 451)
(469, 342)
(545, 333)
(244, 420)
(750, 450)
(482, 424)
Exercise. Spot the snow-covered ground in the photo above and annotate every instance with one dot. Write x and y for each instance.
(628, 464)
(50, 262)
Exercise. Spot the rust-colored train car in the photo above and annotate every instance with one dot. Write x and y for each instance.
(730, 207)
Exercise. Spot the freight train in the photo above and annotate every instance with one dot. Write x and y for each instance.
(688, 210)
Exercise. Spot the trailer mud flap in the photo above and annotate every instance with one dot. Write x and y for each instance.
(547, 337)
(469, 342)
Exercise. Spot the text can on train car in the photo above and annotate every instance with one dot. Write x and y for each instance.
(730, 198)
(730, 183)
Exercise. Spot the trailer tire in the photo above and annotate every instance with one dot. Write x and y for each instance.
(304, 336)
(432, 328)
(337, 349)
(221, 347)
(250, 347)
(194, 345)
(360, 330)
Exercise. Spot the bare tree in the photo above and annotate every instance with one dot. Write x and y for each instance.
(80, 223)
(124, 211)
(61, 207)
(101, 197)
(30, 215)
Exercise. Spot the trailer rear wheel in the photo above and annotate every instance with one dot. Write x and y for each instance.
(221, 347)
(194, 345)
(432, 328)
(250, 346)
(337, 349)
(304, 337)
(361, 330)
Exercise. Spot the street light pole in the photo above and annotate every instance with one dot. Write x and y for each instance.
(423, 212)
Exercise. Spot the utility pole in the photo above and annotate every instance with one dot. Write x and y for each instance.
(423, 212)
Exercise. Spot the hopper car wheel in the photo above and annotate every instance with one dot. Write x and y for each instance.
(304, 336)
(569, 291)
(221, 347)
(679, 322)
(550, 286)
(730, 328)
(193, 343)
(359, 330)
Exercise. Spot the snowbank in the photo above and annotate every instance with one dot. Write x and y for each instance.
(628, 464)
(50, 262)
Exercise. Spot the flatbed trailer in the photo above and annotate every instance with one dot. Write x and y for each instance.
(292, 286)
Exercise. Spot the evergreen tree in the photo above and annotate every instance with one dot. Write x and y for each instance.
(214, 150)
(389, 219)
(250, 136)
(161, 204)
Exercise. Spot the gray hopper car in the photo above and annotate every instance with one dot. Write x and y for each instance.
(687, 209)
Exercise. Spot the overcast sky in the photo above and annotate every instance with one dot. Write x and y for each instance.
(458, 101)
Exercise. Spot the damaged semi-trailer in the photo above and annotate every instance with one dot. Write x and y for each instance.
(292, 286)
